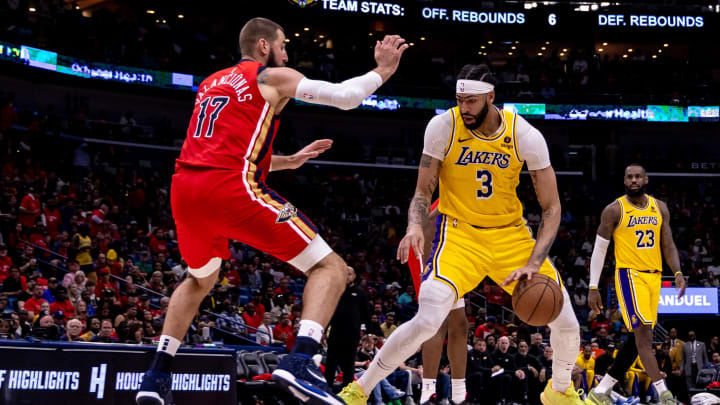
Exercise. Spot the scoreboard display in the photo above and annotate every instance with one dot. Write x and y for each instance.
(536, 17)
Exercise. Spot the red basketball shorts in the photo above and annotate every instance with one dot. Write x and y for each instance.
(417, 268)
(211, 206)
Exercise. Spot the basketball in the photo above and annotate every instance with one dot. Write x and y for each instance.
(538, 301)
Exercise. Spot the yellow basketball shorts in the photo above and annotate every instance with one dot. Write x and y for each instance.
(638, 295)
(463, 255)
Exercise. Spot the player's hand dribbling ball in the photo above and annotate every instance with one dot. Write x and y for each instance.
(537, 301)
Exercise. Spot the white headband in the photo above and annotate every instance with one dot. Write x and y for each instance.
(473, 87)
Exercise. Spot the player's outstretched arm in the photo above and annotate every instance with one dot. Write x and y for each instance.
(608, 221)
(670, 250)
(296, 160)
(546, 190)
(428, 175)
(278, 84)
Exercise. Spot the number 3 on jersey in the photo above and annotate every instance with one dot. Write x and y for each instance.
(218, 103)
(485, 179)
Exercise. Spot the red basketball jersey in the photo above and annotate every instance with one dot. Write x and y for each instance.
(232, 126)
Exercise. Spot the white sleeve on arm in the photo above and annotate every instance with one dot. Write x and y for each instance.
(597, 260)
(345, 96)
(531, 145)
(437, 135)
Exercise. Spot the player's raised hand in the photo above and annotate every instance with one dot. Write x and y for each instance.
(311, 151)
(413, 238)
(519, 274)
(595, 301)
(680, 284)
(387, 55)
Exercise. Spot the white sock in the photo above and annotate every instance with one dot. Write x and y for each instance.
(311, 329)
(428, 389)
(168, 344)
(660, 387)
(458, 390)
(617, 397)
(606, 384)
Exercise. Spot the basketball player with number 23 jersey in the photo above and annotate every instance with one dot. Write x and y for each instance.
(639, 225)
(475, 152)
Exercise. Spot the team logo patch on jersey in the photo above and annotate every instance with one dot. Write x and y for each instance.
(634, 319)
(304, 3)
(507, 139)
(286, 213)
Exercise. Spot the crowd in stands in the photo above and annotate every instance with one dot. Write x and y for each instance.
(201, 43)
(88, 252)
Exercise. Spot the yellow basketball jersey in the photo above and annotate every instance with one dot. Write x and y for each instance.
(637, 236)
(479, 175)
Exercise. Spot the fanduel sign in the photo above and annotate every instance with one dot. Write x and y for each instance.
(695, 301)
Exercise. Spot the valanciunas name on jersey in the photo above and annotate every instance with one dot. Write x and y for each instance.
(232, 79)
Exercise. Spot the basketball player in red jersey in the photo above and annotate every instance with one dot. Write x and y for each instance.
(218, 193)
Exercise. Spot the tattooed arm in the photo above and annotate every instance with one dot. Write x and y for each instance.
(420, 207)
(547, 194)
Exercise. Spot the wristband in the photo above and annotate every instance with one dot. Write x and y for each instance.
(678, 272)
(593, 287)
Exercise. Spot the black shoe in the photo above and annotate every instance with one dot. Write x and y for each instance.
(155, 389)
(299, 374)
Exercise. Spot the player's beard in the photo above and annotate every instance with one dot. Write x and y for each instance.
(272, 60)
(479, 118)
(635, 193)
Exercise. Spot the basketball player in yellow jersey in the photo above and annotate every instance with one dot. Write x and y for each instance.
(476, 152)
(640, 226)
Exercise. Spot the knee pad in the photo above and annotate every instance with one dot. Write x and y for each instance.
(435, 300)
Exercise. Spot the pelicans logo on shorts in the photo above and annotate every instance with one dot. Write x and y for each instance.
(304, 3)
(286, 213)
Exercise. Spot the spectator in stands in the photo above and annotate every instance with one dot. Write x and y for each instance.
(479, 370)
(250, 316)
(487, 328)
(364, 356)
(694, 356)
(34, 303)
(106, 333)
(536, 345)
(30, 209)
(714, 362)
(513, 381)
(14, 284)
(283, 329)
(82, 245)
(51, 290)
(231, 320)
(93, 329)
(264, 333)
(714, 346)
(586, 363)
(601, 339)
(62, 303)
(135, 333)
(5, 262)
(407, 297)
(129, 315)
(388, 327)
(73, 331)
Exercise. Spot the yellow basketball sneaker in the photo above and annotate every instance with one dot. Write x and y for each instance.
(569, 397)
(353, 394)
